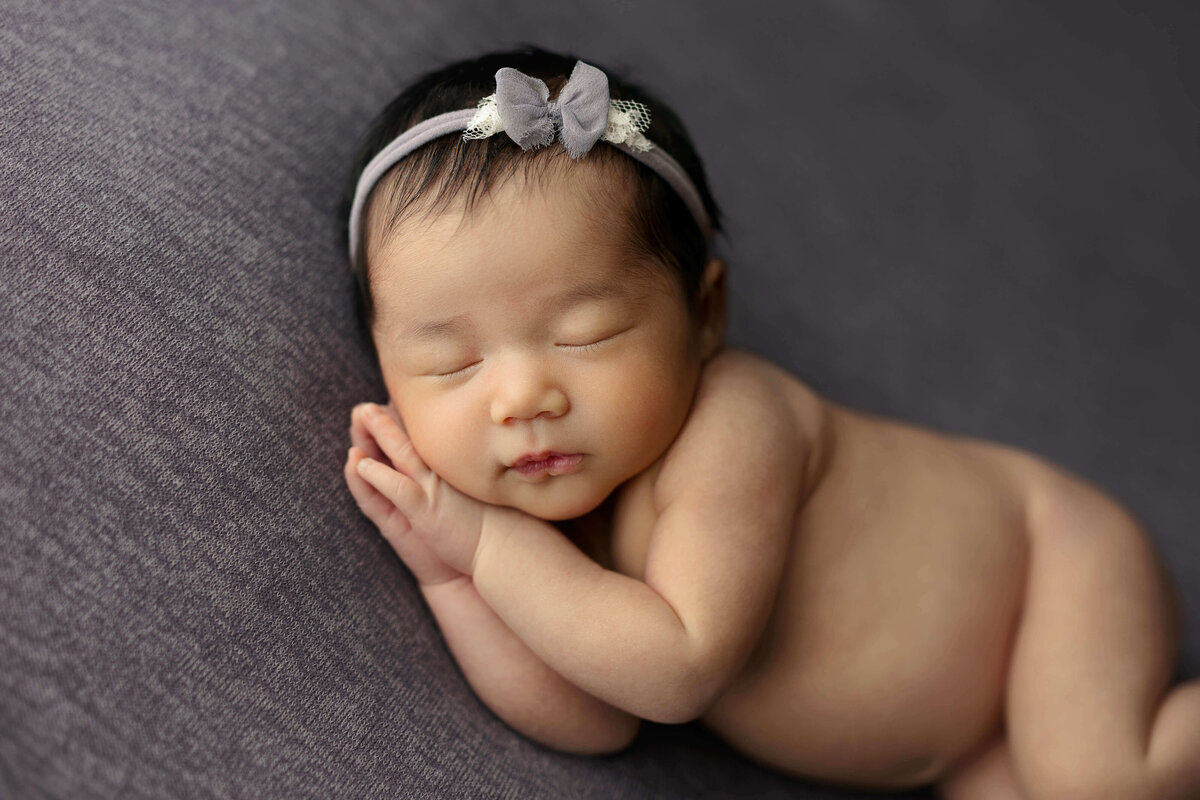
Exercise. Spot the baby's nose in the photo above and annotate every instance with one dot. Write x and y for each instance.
(526, 396)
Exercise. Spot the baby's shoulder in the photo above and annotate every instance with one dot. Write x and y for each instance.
(749, 419)
(737, 385)
(749, 393)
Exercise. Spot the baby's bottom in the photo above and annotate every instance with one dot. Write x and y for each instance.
(1087, 712)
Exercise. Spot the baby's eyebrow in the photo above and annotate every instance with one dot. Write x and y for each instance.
(435, 328)
(594, 290)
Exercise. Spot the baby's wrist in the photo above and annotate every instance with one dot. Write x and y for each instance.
(496, 526)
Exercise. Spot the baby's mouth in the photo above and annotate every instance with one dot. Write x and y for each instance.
(547, 463)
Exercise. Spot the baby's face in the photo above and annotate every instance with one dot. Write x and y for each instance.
(534, 362)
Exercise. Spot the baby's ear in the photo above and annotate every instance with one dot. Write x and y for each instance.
(710, 308)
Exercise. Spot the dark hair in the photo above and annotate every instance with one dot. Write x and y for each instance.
(661, 227)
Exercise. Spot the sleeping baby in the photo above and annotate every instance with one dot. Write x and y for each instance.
(613, 517)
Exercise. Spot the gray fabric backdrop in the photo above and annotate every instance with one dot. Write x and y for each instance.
(978, 215)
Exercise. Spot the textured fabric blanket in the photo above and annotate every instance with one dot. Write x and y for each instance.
(978, 216)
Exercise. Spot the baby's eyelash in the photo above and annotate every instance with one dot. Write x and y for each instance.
(456, 372)
(586, 348)
(595, 345)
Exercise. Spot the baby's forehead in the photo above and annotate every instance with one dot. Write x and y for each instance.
(535, 238)
(599, 191)
(522, 243)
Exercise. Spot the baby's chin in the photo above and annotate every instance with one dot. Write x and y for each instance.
(558, 499)
(557, 509)
(552, 512)
(555, 503)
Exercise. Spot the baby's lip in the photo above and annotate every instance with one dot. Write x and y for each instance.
(549, 462)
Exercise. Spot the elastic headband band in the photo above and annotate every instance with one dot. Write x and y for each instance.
(582, 115)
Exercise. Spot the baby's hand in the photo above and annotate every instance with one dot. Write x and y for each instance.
(432, 526)
(426, 567)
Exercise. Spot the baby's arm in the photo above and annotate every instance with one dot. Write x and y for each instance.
(509, 679)
(662, 647)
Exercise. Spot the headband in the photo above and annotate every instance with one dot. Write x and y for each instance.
(582, 115)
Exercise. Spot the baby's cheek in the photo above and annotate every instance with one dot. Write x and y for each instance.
(648, 421)
(447, 447)
(450, 452)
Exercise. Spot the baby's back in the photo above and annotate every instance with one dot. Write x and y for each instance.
(885, 657)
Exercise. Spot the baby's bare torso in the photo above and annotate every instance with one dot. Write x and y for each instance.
(885, 655)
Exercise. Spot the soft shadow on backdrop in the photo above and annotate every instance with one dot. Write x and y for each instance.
(978, 216)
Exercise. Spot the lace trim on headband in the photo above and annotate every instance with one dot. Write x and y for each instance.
(627, 120)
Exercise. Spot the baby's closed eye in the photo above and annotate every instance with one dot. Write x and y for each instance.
(440, 361)
(454, 371)
(586, 341)
(578, 342)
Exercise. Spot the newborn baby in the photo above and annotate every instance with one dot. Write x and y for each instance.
(613, 517)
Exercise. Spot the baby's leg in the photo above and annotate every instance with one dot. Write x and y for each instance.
(1088, 712)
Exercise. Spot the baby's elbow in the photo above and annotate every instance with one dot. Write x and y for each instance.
(611, 737)
(685, 699)
(677, 712)
(616, 738)
(673, 716)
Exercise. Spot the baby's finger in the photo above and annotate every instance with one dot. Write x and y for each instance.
(360, 437)
(424, 564)
(390, 410)
(373, 504)
(395, 443)
(404, 492)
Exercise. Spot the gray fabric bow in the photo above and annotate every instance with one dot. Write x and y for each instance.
(580, 114)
